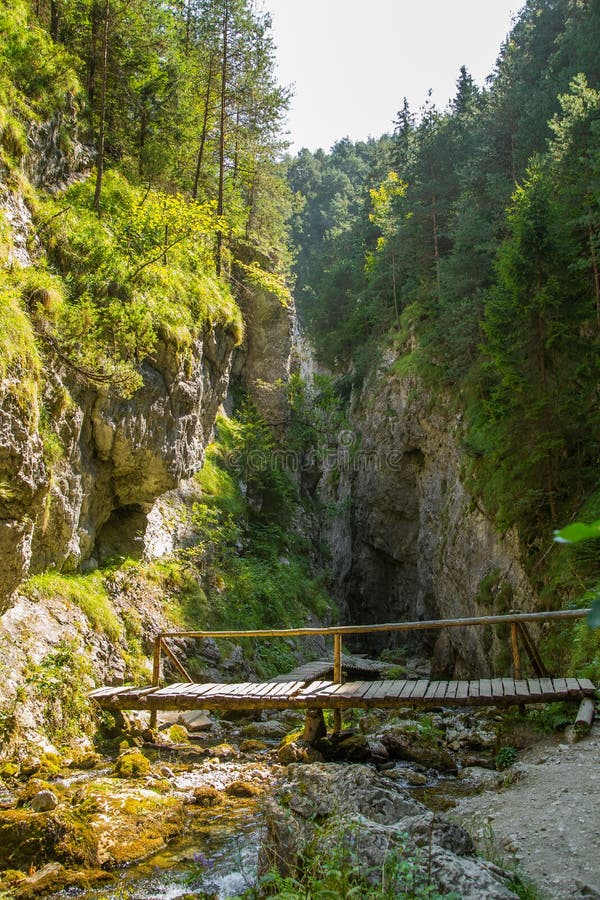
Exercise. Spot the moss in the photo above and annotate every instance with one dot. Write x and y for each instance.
(132, 764)
(128, 822)
(207, 795)
(252, 746)
(19, 356)
(28, 838)
(243, 789)
(291, 738)
(33, 787)
(177, 734)
(9, 769)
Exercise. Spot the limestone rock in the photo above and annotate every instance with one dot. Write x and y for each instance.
(44, 801)
(413, 543)
(369, 819)
(414, 748)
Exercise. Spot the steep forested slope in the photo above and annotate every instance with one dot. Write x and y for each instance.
(467, 245)
(143, 283)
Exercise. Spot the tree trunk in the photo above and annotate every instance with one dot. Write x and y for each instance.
(204, 129)
(594, 254)
(102, 122)
(54, 19)
(436, 248)
(219, 248)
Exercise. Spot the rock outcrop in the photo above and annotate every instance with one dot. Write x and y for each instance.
(115, 457)
(365, 824)
(411, 541)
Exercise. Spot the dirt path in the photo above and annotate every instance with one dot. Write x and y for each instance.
(549, 820)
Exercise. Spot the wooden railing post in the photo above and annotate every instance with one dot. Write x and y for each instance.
(155, 674)
(337, 677)
(517, 674)
(514, 639)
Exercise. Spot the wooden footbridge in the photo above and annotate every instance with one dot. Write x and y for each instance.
(321, 685)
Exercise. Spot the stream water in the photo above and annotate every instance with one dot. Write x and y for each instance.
(217, 855)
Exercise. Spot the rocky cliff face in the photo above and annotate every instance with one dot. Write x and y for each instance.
(112, 457)
(412, 542)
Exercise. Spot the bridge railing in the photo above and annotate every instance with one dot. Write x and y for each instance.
(518, 622)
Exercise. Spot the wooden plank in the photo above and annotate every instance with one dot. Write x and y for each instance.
(293, 687)
(102, 692)
(247, 688)
(572, 686)
(394, 687)
(314, 686)
(586, 685)
(372, 690)
(522, 689)
(497, 688)
(262, 688)
(419, 689)
(462, 690)
(440, 691)
(508, 686)
(351, 689)
(451, 690)
(171, 688)
(474, 688)
(380, 693)
(485, 688)
(547, 687)
(430, 692)
(560, 685)
(407, 689)
(535, 689)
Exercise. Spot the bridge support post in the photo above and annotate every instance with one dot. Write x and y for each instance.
(517, 674)
(155, 675)
(337, 677)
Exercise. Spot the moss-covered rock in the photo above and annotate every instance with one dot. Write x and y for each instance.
(252, 746)
(177, 734)
(9, 769)
(129, 822)
(85, 760)
(132, 764)
(243, 789)
(32, 839)
(207, 795)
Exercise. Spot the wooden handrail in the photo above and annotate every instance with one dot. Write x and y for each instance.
(388, 626)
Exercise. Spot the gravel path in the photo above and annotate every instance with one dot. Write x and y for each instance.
(548, 821)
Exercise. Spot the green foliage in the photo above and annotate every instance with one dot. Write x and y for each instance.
(245, 569)
(505, 758)
(88, 592)
(140, 274)
(35, 77)
(19, 355)
(60, 682)
(552, 717)
(332, 865)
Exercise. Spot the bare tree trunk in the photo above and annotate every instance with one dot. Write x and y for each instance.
(54, 19)
(219, 248)
(102, 122)
(594, 253)
(204, 129)
(394, 289)
(436, 248)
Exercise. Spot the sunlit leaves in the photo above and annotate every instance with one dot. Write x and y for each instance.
(576, 532)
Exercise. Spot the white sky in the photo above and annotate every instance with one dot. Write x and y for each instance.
(352, 61)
